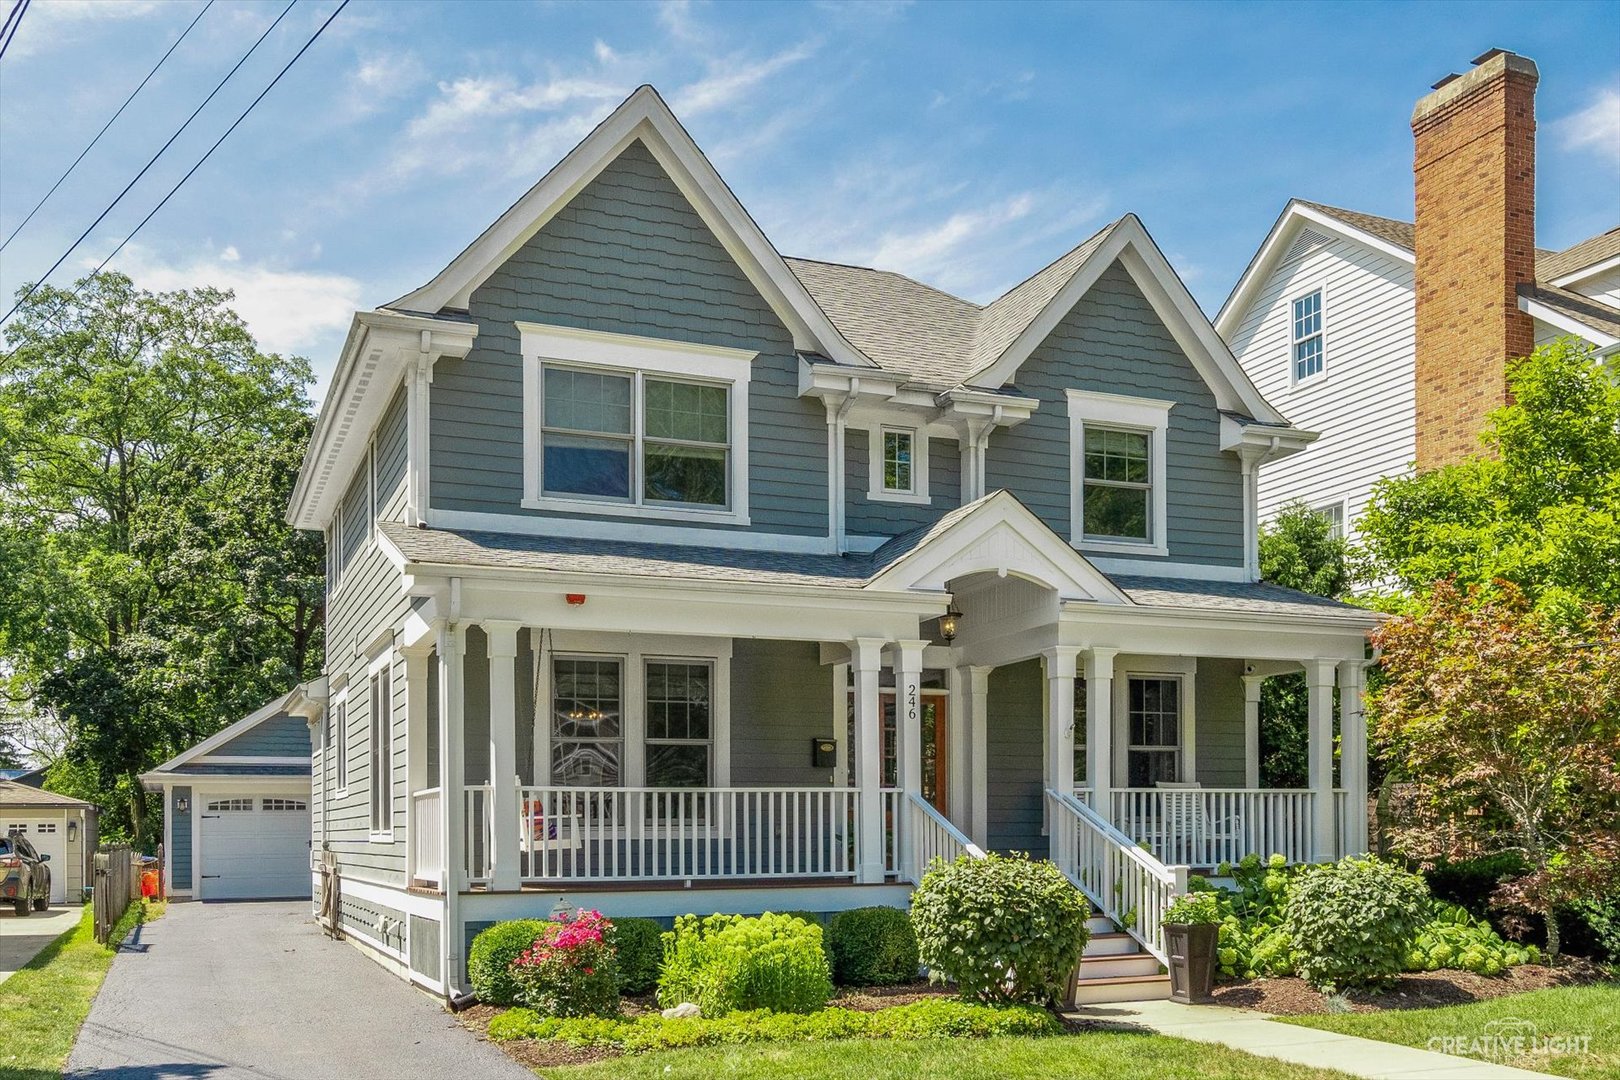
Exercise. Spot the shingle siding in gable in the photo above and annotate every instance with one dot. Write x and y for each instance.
(279, 736)
(1114, 343)
(628, 255)
(866, 517)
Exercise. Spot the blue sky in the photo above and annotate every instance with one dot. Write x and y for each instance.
(966, 145)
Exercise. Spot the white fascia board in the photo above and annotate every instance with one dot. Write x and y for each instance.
(1288, 224)
(1261, 443)
(1567, 323)
(838, 381)
(1600, 267)
(374, 358)
(645, 116)
(225, 735)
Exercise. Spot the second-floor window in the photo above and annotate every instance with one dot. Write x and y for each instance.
(1119, 445)
(1333, 514)
(897, 451)
(1308, 339)
(1118, 495)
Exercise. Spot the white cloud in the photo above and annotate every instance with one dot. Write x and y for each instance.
(732, 79)
(933, 248)
(49, 23)
(1596, 127)
(288, 311)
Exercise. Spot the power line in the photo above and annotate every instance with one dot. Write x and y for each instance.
(312, 39)
(8, 33)
(144, 168)
(104, 127)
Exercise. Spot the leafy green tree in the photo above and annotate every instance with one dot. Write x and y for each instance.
(1297, 550)
(1539, 509)
(1506, 722)
(147, 450)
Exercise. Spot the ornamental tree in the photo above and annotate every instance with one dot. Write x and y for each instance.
(1506, 719)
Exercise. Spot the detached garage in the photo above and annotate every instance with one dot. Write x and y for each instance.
(55, 825)
(236, 821)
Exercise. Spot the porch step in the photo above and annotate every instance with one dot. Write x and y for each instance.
(1100, 924)
(1112, 943)
(1122, 988)
(1093, 968)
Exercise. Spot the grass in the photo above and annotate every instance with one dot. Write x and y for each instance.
(1116, 1055)
(42, 1006)
(1562, 1011)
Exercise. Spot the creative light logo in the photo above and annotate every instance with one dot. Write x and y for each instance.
(1509, 1037)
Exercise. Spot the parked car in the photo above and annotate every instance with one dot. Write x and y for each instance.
(27, 881)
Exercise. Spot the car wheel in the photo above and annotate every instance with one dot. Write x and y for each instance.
(42, 903)
(24, 908)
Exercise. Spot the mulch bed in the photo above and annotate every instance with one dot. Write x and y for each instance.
(1419, 990)
(876, 998)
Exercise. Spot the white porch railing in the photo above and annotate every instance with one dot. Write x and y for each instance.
(891, 800)
(478, 836)
(650, 834)
(1127, 884)
(1209, 826)
(427, 841)
(1344, 828)
(929, 836)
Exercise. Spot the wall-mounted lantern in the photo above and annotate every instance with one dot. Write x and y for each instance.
(182, 804)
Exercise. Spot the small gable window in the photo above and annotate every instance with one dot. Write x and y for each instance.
(897, 447)
(1117, 460)
(1333, 514)
(1309, 353)
(899, 465)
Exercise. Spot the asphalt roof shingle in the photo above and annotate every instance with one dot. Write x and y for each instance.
(1583, 309)
(1592, 250)
(17, 795)
(1395, 232)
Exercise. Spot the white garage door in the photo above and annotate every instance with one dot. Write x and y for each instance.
(254, 846)
(49, 837)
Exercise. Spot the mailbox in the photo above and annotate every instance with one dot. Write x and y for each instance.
(824, 753)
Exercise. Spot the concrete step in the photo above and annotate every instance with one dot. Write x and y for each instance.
(1122, 988)
(1106, 967)
(1113, 943)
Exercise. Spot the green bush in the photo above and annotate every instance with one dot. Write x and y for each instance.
(1253, 941)
(640, 943)
(489, 961)
(1354, 922)
(729, 963)
(1002, 929)
(934, 1019)
(1195, 908)
(571, 969)
(1453, 938)
(1592, 927)
(872, 946)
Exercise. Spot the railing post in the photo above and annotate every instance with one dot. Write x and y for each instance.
(866, 656)
(1319, 678)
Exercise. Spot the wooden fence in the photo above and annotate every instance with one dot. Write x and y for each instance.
(117, 882)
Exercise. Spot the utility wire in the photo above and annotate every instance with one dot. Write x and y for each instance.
(104, 127)
(318, 32)
(8, 33)
(102, 216)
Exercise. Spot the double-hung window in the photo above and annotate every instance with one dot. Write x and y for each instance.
(633, 427)
(679, 723)
(1118, 472)
(897, 452)
(1333, 514)
(1308, 351)
(1153, 718)
(587, 722)
(381, 750)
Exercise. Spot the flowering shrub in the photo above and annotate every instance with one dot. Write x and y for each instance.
(1452, 938)
(489, 961)
(570, 968)
(727, 963)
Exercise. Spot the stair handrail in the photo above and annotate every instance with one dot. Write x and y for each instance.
(1126, 883)
(923, 848)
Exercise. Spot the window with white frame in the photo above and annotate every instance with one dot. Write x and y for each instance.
(1333, 514)
(1153, 721)
(1308, 339)
(381, 749)
(283, 805)
(1119, 500)
(342, 748)
(230, 806)
(680, 735)
(633, 426)
(898, 458)
(587, 721)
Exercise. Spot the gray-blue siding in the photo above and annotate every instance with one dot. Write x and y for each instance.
(627, 255)
(278, 736)
(864, 516)
(180, 837)
(1114, 343)
(1015, 779)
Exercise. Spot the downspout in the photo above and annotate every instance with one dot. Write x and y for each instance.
(836, 515)
(1251, 507)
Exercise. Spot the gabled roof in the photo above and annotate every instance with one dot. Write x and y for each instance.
(1572, 313)
(15, 796)
(1579, 260)
(273, 710)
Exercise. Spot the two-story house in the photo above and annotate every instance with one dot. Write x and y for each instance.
(669, 575)
(1391, 338)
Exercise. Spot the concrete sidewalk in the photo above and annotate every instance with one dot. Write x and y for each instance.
(22, 939)
(1255, 1033)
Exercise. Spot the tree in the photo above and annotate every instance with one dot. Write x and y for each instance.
(147, 450)
(1539, 510)
(1507, 721)
(1297, 550)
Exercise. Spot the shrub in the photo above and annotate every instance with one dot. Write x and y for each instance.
(727, 963)
(1594, 927)
(570, 969)
(935, 1019)
(1002, 929)
(640, 947)
(1193, 909)
(1354, 922)
(489, 961)
(1469, 883)
(1453, 938)
(872, 946)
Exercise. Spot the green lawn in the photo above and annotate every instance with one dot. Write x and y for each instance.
(42, 1006)
(1563, 1011)
(1115, 1055)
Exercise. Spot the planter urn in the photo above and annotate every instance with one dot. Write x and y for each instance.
(1191, 947)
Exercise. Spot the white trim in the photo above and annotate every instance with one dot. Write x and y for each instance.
(634, 357)
(918, 495)
(1600, 267)
(1567, 323)
(226, 734)
(1119, 411)
(589, 529)
(382, 663)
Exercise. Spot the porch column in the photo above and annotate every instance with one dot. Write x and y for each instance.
(866, 660)
(452, 808)
(416, 748)
(1319, 680)
(959, 743)
(1353, 751)
(1251, 730)
(909, 743)
(978, 694)
(1060, 674)
(505, 844)
(1100, 728)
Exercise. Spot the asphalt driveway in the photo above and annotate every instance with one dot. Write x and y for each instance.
(252, 990)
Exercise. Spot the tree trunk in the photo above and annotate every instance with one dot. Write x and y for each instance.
(1553, 938)
(137, 813)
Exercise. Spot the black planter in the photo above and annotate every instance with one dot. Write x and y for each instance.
(1192, 961)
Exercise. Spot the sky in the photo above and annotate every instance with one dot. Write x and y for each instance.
(966, 145)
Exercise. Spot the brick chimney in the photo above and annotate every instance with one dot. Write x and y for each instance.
(1474, 172)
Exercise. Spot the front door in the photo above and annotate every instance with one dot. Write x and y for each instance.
(934, 721)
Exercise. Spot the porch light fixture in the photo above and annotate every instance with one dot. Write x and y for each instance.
(73, 831)
(182, 804)
(948, 623)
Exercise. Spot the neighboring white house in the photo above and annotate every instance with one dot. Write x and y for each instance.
(236, 821)
(56, 825)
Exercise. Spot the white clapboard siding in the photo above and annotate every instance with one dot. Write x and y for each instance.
(1604, 287)
(1363, 404)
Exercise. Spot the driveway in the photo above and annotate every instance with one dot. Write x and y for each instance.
(253, 990)
(21, 939)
